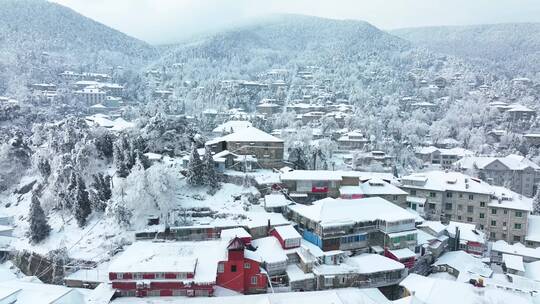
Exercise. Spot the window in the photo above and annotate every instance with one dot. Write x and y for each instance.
(482, 204)
(247, 265)
(119, 276)
(395, 198)
(448, 206)
(469, 219)
(253, 280)
(493, 211)
(493, 223)
(504, 224)
(459, 217)
(233, 268)
(342, 280)
(517, 226)
(517, 238)
(503, 236)
(413, 192)
(460, 195)
(482, 215)
(470, 209)
(448, 194)
(460, 207)
(481, 227)
(492, 235)
(137, 276)
(160, 275)
(471, 197)
(519, 214)
(328, 281)
(432, 194)
(505, 211)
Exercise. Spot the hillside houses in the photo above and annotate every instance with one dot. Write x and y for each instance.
(513, 171)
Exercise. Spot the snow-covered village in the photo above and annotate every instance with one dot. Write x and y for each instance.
(322, 152)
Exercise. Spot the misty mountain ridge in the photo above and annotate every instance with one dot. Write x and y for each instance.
(508, 47)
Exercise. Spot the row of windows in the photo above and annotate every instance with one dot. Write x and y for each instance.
(493, 235)
(354, 238)
(399, 239)
(516, 225)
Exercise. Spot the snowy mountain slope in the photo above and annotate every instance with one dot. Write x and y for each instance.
(290, 39)
(507, 47)
(30, 27)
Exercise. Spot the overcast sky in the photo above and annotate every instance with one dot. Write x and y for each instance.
(165, 21)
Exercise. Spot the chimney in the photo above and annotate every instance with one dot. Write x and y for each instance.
(268, 227)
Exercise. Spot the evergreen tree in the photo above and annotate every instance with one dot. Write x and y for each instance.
(195, 171)
(39, 228)
(122, 169)
(210, 175)
(101, 191)
(82, 206)
(536, 203)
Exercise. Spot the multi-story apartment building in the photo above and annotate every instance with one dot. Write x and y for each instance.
(355, 225)
(513, 171)
(453, 196)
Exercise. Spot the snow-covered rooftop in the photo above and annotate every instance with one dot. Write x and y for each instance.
(533, 228)
(276, 200)
(232, 126)
(435, 226)
(404, 253)
(516, 249)
(335, 212)
(269, 250)
(514, 262)
(372, 187)
(288, 232)
(465, 263)
(250, 134)
(459, 152)
(228, 234)
(36, 292)
(446, 181)
(200, 258)
(363, 264)
(334, 296)
(441, 291)
(508, 199)
(467, 232)
(512, 162)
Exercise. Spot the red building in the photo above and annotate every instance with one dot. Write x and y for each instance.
(239, 272)
(167, 269)
(405, 256)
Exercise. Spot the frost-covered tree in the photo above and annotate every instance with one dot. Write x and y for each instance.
(81, 205)
(39, 227)
(298, 158)
(536, 203)
(195, 170)
(210, 177)
(101, 191)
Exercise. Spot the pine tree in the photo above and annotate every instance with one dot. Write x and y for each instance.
(101, 191)
(536, 203)
(39, 228)
(195, 171)
(82, 206)
(210, 175)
